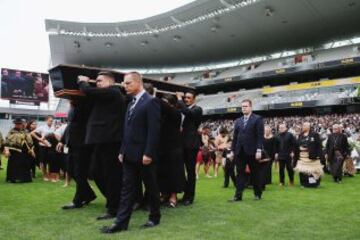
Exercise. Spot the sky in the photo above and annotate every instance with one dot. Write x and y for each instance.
(24, 43)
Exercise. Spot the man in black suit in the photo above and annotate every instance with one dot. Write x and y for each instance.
(246, 146)
(337, 149)
(104, 132)
(138, 154)
(191, 140)
(284, 153)
(79, 153)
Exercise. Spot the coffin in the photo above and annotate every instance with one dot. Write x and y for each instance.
(64, 80)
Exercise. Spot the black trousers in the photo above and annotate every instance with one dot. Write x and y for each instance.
(79, 161)
(336, 168)
(132, 172)
(241, 161)
(190, 182)
(286, 163)
(229, 172)
(107, 173)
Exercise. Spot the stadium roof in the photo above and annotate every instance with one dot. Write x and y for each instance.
(204, 32)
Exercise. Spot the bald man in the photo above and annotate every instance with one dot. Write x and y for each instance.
(337, 148)
(138, 154)
(104, 133)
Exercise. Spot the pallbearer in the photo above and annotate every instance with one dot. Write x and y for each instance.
(191, 140)
(104, 132)
(79, 153)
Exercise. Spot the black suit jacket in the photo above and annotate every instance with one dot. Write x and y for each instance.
(192, 121)
(78, 116)
(337, 142)
(313, 145)
(106, 119)
(249, 138)
(141, 130)
(285, 144)
(170, 137)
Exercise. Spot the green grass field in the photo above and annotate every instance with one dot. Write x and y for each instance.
(32, 211)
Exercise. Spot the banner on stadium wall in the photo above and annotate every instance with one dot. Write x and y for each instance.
(311, 85)
(24, 87)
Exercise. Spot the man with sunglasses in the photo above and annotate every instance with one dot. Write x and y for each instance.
(104, 133)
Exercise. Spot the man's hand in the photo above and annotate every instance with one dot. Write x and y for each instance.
(83, 79)
(6, 152)
(179, 95)
(276, 156)
(121, 158)
(146, 160)
(231, 156)
(292, 154)
(59, 147)
(258, 155)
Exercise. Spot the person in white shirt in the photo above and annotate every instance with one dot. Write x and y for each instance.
(44, 145)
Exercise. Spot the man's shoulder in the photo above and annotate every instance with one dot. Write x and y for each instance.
(197, 107)
(256, 116)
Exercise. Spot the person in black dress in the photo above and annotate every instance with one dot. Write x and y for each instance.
(18, 146)
(229, 166)
(171, 174)
(269, 147)
(30, 127)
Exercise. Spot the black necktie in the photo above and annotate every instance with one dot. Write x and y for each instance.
(131, 108)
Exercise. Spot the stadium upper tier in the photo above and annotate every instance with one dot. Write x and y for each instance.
(246, 70)
(321, 93)
(204, 32)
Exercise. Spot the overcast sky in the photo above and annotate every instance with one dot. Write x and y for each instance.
(24, 43)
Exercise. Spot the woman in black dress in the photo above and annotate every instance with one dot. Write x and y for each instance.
(269, 147)
(171, 175)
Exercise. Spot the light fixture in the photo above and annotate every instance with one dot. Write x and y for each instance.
(144, 43)
(177, 38)
(108, 44)
(215, 28)
(269, 12)
(76, 44)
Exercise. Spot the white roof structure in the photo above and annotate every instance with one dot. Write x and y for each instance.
(204, 32)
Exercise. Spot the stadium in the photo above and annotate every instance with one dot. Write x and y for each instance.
(296, 60)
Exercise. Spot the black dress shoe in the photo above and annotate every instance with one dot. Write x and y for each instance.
(106, 216)
(86, 202)
(257, 198)
(150, 224)
(235, 199)
(187, 202)
(113, 229)
(72, 206)
(137, 206)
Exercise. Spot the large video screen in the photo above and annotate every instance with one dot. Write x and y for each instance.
(24, 87)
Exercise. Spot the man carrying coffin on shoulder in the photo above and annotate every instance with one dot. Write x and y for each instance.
(104, 132)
